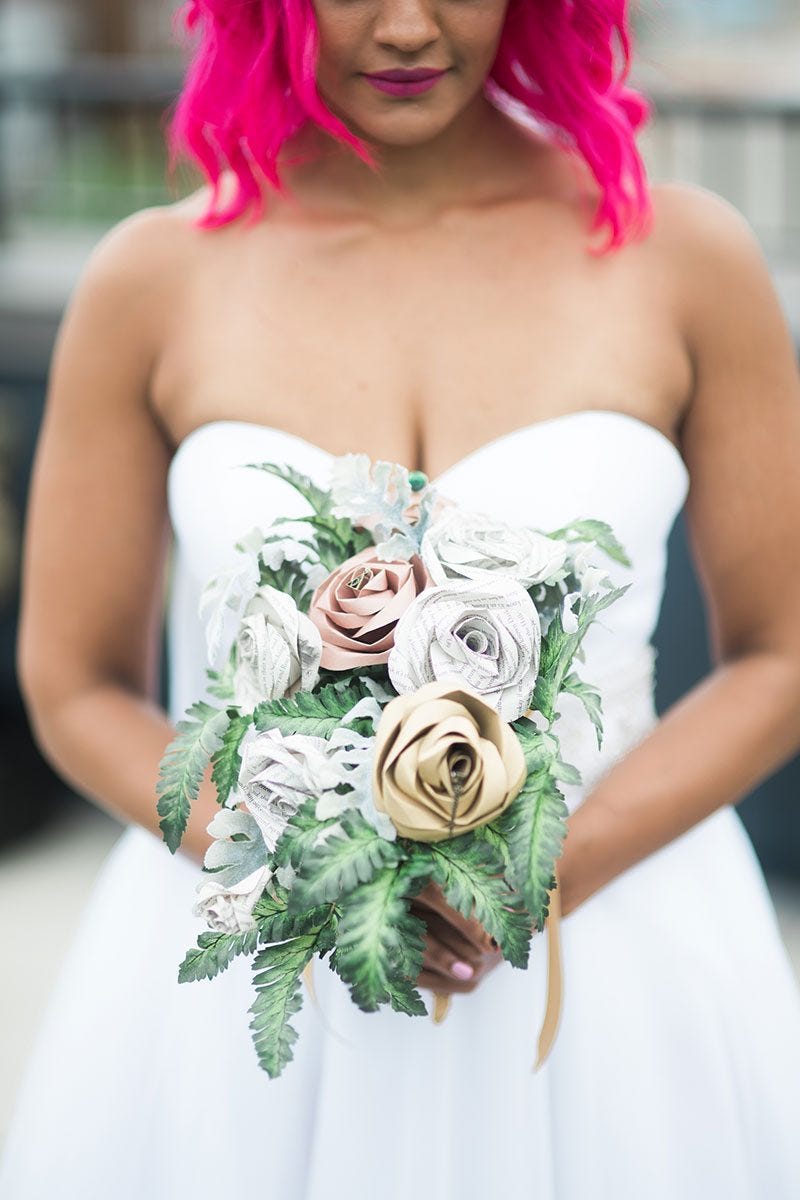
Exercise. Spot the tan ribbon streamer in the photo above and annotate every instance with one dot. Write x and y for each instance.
(442, 1001)
(555, 982)
(308, 977)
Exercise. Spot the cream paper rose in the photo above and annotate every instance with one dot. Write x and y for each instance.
(486, 632)
(279, 772)
(230, 909)
(358, 606)
(277, 652)
(470, 545)
(444, 762)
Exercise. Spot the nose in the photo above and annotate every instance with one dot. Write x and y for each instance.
(407, 25)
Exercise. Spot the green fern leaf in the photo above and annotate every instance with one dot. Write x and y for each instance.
(470, 872)
(498, 842)
(591, 700)
(599, 532)
(317, 497)
(227, 761)
(276, 923)
(221, 684)
(535, 826)
(276, 977)
(380, 945)
(183, 766)
(341, 863)
(215, 952)
(335, 537)
(559, 648)
(299, 835)
(315, 713)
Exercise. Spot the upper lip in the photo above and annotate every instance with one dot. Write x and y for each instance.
(405, 74)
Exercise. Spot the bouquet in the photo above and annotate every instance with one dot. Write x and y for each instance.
(383, 680)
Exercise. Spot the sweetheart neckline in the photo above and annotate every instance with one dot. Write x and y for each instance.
(635, 422)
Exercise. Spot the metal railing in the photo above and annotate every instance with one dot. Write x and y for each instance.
(745, 147)
(83, 143)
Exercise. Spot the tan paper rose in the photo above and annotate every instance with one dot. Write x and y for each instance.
(439, 745)
(357, 607)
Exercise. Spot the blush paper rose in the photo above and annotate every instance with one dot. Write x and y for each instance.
(487, 632)
(358, 606)
(277, 650)
(444, 762)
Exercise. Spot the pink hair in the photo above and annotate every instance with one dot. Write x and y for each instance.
(251, 84)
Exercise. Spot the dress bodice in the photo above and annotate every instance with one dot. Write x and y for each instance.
(592, 463)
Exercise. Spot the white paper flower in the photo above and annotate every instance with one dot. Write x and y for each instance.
(224, 598)
(279, 772)
(278, 650)
(590, 577)
(485, 632)
(569, 618)
(378, 496)
(230, 910)
(239, 872)
(472, 545)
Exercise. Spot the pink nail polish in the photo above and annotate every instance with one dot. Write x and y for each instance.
(462, 970)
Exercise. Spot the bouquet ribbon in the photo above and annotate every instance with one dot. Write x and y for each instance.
(555, 983)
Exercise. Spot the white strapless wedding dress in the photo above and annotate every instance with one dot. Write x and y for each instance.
(675, 1074)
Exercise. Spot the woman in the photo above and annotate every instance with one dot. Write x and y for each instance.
(449, 311)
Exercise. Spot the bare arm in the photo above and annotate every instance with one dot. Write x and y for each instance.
(741, 442)
(97, 538)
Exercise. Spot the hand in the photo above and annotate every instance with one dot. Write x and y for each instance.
(451, 938)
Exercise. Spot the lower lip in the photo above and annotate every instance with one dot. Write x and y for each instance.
(395, 88)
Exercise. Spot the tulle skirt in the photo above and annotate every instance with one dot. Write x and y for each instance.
(675, 1074)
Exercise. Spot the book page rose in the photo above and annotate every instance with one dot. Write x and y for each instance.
(469, 545)
(358, 606)
(230, 909)
(279, 772)
(486, 632)
(444, 762)
(277, 650)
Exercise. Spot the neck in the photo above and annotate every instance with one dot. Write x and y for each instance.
(480, 156)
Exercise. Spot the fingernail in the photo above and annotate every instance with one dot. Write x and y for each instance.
(462, 970)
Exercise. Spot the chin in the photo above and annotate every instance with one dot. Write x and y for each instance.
(400, 129)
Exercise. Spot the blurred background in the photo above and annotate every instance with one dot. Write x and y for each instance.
(84, 88)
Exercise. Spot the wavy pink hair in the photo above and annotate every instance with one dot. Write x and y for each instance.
(251, 83)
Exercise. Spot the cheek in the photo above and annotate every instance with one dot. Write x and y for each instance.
(342, 36)
(475, 31)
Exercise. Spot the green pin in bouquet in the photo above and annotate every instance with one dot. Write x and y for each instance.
(388, 668)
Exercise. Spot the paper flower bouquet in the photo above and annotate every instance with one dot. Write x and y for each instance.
(386, 671)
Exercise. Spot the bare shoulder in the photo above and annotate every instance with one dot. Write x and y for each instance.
(707, 240)
(741, 434)
(691, 206)
(141, 251)
(710, 254)
(133, 282)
